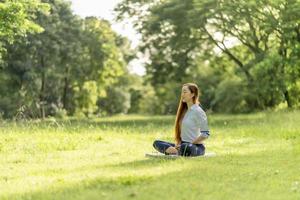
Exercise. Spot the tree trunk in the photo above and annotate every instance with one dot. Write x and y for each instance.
(42, 90)
(282, 51)
(66, 86)
(231, 56)
(288, 99)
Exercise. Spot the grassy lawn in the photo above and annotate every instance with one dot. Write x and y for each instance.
(258, 157)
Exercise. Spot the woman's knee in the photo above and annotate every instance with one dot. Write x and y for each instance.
(156, 143)
(200, 151)
(185, 149)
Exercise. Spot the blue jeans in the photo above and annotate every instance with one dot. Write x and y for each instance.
(185, 149)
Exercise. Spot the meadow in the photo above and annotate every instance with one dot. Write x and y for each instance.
(257, 157)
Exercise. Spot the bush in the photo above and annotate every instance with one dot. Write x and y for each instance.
(116, 101)
(230, 97)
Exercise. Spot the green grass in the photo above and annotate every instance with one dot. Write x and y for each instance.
(258, 157)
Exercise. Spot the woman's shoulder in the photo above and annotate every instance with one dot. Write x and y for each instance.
(197, 109)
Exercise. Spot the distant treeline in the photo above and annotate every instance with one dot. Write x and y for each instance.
(56, 63)
(244, 55)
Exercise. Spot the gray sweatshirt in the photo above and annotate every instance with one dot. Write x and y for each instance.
(194, 124)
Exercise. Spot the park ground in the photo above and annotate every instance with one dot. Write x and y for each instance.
(257, 157)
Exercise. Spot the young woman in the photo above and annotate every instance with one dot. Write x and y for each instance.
(191, 127)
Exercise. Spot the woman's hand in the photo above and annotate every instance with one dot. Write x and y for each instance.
(171, 150)
(177, 146)
(199, 140)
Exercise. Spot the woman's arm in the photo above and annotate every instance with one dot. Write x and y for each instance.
(201, 121)
(203, 136)
(177, 146)
(199, 140)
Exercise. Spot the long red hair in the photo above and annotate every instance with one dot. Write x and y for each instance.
(182, 108)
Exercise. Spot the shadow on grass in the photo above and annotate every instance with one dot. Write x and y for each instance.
(105, 124)
(142, 163)
(236, 121)
(161, 121)
(144, 122)
(201, 178)
(157, 121)
(136, 164)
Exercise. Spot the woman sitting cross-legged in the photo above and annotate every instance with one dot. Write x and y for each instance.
(191, 127)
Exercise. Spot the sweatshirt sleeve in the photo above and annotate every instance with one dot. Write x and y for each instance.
(202, 123)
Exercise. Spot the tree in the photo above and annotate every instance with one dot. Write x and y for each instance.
(65, 68)
(101, 59)
(16, 19)
(260, 39)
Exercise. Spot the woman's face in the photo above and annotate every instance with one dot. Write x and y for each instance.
(186, 94)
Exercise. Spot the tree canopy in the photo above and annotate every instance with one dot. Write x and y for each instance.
(252, 47)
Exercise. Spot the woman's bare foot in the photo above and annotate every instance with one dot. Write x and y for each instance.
(171, 150)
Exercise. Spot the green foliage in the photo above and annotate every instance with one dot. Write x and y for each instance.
(243, 55)
(116, 101)
(86, 98)
(168, 97)
(128, 95)
(230, 96)
(145, 101)
(65, 68)
(256, 41)
(16, 19)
